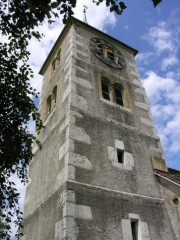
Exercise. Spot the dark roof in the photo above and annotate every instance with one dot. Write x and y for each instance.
(172, 175)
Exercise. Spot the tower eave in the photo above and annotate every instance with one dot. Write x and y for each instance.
(71, 21)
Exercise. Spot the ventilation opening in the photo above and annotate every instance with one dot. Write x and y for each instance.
(54, 96)
(49, 105)
(134, 229)
(175, 200)
(120, 155)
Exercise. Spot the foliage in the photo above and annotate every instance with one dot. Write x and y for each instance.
(156, 2)
(19, 20)
(17, 106)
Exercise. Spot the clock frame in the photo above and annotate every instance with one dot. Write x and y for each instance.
(107, 53)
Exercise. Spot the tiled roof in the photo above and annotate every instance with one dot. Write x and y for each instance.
(172, 174)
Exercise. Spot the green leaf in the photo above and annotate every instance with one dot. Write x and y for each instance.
(122, 5)
(54, 4)
(112, 9)
(36, 35)
(156, 2)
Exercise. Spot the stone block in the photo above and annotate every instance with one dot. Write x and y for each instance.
(128, 159)
(126, 227)
(158, 163)
(119, 144)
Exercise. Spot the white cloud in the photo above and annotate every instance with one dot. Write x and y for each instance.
(40, 49)
(169, 61)
(164, 98)
(162, 111)
(171, 74)
(160, 37)
(155, 85)
(97, 16)
(164, 37)
(172, 131)
(144, 57)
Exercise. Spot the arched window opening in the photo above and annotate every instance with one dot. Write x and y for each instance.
(118, 90)
(105, 89)
(54, 97)
(49, 105)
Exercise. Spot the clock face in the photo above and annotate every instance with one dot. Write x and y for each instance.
(107, 53)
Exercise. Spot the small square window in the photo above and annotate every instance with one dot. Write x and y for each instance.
(120, 156)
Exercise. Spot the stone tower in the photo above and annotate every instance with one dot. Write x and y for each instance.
(93, 178)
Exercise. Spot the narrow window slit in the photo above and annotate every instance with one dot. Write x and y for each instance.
(120, 155)
(105, 90)
(134, 229)
(118, 95)
(49, 105)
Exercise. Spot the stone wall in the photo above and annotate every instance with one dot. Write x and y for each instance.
(78, 189)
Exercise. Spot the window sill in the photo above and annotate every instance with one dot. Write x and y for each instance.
(121, 166)
(116, 105)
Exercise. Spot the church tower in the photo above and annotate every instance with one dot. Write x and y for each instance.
(93, 179)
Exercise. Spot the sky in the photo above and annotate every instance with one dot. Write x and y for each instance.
(155, 33)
